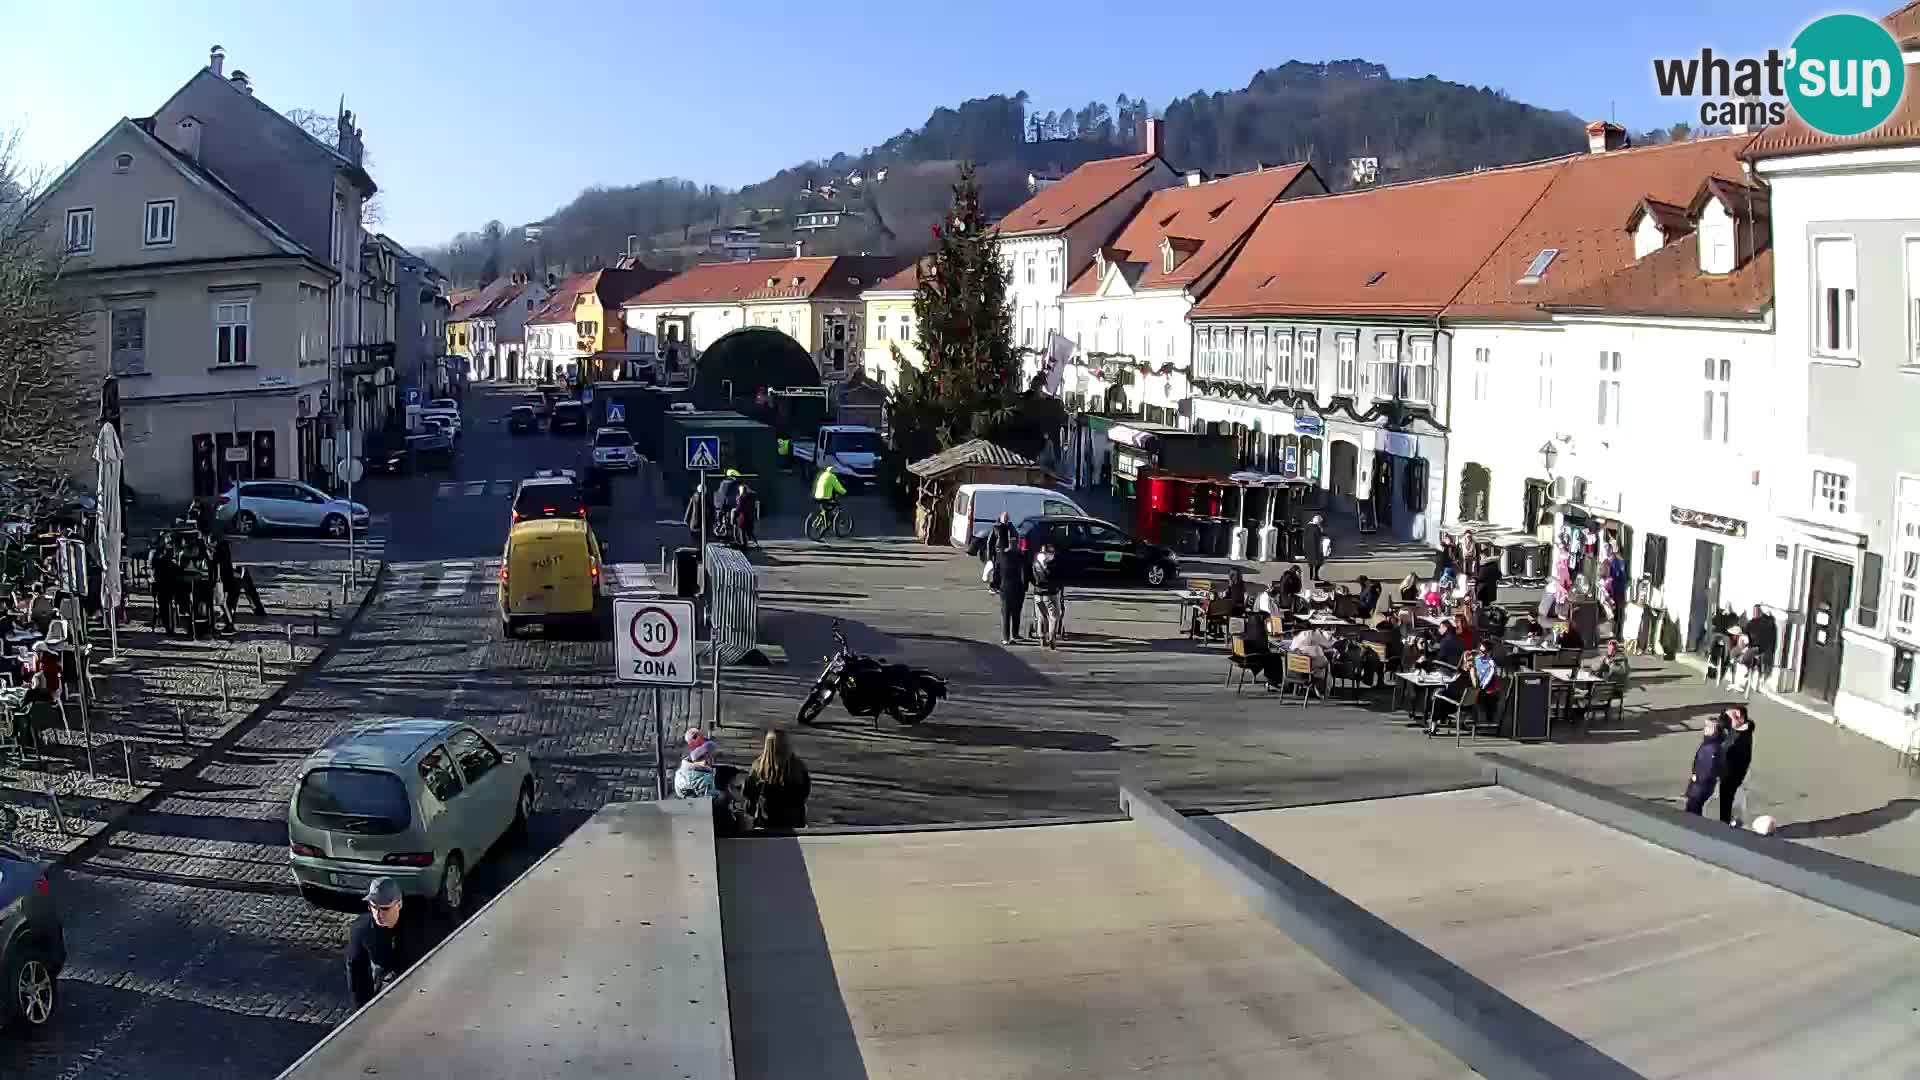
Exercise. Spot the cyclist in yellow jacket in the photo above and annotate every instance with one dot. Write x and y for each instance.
(827, 490)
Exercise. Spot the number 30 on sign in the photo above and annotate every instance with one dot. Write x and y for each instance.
(653, 642)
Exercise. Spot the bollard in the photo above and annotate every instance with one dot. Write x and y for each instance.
(180, 718)
(289, 641)
(226, 699)
(260, 663)
(329, 609)
(126, 758)
(316, 628)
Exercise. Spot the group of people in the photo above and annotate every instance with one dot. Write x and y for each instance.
(1012, 575)
(771, 794)
(734, 502)
(1721, 762)
(195, 579)
(1743, 649)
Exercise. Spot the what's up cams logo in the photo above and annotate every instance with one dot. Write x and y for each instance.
(1843, 76)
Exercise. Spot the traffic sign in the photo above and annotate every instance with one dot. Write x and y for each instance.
(413, 395)
(703, 452)
(653, 641)
(616, 413)
(349, 469)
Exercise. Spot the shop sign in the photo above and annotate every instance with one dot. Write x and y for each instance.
(1705, 522)
(1290, 462)
(1126, 466)
(1400, 444)
(1308, 425)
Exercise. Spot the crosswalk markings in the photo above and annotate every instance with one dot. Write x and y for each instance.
(453, 489)
(453, 579)
(447, 579)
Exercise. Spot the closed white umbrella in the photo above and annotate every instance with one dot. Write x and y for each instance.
(109, 457)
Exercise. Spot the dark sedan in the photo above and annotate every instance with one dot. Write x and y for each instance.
(33, 944)
(521, 419)
(1091, 551)
(568, 416)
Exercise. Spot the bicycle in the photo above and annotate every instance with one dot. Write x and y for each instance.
(832, 516)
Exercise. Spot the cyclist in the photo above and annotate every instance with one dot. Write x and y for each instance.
(827, 490)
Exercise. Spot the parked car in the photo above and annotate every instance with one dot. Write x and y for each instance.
(428, 451)
(253, 505)
(419, 801)
(613, 449)
(445, 409)
(520, 419)
(568, 416)
(549, 494)
(541, 407)
(444, 425)
(33, 943)
(977, 506)
(1091, 551)
(550, 571)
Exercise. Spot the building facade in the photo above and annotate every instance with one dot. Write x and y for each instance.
(891, 337)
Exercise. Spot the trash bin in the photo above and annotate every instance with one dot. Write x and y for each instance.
(1516, 560)
(686, 572)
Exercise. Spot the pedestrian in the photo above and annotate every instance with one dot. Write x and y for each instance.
(695, 502)
(381, 946)
(1048, 595)
(694, 778)
(1737, 759)
(1002, 536)
(1010, 575)
(163, 567)
(723, 498)
(777, 785)
(1447, 558)
(783, 453)
(1763, 636)
(1486, 582)
(1237, 591)
(746, 515)
(1708, 760)
(1369, 596)
(1290, 587)
(1319, 545)
(222, 552)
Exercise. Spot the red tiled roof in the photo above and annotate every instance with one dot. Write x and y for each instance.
(905, 279)
(489, 299)
(1669, 283)
(821, 277)
(1902, 128)
(559, 306)
(1667, 217)
(1580, 216)
(1423, 240)
(1202, 222)
(1075, 195)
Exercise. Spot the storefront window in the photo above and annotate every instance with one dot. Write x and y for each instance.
(1310, 454)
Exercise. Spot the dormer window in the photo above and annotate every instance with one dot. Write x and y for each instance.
(1538, 267)
(773, 282)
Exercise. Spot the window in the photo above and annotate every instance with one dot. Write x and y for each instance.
(1306, 366)
(1416, 375)
(1053, 267)
(1913, 301)
(879, 328)
(1026, 336)
(1835, 296)
(1257, 358)
(1237, 355)
(80, 232)
(1872, 576)
(1829, 492)
(159, 223)
(1032, 262)
(1482, 373)
(1345, 374)
(1715, 412)
(1386, 358)
(129, 332)
(122, 162)
(437, 774)
(1538, 267)
(1906, 563)
(1543, 382)
(1609, 396)
(334, 231)
(233, 325)
(906, 328)
(1282, 359)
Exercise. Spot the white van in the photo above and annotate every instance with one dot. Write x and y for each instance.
(977, 506)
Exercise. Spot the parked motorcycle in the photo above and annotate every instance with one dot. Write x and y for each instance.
(868, 686)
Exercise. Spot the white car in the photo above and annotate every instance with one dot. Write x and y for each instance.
(253, 505)
(446, 409)
(613, 449)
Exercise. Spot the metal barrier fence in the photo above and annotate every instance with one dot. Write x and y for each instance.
(733, 603)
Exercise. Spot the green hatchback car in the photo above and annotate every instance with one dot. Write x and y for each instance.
(419, 801)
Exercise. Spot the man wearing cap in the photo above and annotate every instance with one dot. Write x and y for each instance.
(379, 948)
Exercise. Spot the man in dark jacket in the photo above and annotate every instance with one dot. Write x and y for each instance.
(1316, 545)
(1369, 596)
(1010, 577)
(381, 946)
(1486, 582)
(1449, 649)
(1290, 587)
(1002, 537)
(1763, 635)
(1708, 762)
(1737, 757)
(1049, 595)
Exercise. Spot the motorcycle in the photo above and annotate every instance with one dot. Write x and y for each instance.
(868, 686)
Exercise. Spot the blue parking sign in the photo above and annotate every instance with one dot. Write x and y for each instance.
(413, 395)
(703, 452)
(616, 413)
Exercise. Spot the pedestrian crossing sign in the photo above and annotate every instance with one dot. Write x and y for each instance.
(703, 452)
(616, 413)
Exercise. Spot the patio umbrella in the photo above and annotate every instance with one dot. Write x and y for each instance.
(109, 458)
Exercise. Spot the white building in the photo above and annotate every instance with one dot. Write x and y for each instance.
(552, 338)
(1049, 239)
(1846, 226)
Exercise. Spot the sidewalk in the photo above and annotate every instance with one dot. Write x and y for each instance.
(159, 684)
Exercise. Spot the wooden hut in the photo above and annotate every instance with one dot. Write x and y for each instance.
(976, 461)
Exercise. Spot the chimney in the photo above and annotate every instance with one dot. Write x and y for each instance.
(185, 137)
(217, 62)
(1195, 177)
(1605, 135)
(239, 79)
(797, 244)
(1156, 136)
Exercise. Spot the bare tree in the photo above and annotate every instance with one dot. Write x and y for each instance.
(49, 402)
(326, 130)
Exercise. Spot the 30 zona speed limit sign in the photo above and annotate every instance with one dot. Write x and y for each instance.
(653, 641)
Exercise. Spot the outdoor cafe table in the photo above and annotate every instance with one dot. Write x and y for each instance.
(1190, 600)
(1567, 685)
(1330, 622)
(1420, 685)
(1531, 652)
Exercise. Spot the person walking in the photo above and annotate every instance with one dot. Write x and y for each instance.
(1002, 536)
(695, 503)
(1010, 577)
(777, 785)
(1708, 761)
(1319, 545)
(1763, 637)
(783, 453)
(746, 516)
(1736, 760)
(1048, 595)
(381, 946)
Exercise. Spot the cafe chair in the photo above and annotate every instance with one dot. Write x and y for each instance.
(1464, 699)
(1219, 610)
(1602, 699)
(1344, 666)
(1246, 661)
(1298, 677)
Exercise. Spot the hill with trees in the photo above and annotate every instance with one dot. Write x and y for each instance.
(890, 194)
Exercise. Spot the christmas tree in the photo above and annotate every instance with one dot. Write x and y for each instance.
(970, 386)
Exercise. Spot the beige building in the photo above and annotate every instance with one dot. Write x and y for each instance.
(213, 320)
(890, 327)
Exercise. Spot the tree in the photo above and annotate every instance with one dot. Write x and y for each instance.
(49, 403)
(970, 385)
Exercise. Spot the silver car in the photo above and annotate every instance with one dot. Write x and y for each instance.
(253, 505)
(419, 801)
(33, 944)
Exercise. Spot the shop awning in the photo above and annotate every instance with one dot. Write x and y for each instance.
(1127, 435)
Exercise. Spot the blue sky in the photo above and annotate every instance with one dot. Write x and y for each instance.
(486, 109)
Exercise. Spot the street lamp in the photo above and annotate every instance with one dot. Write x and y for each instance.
(1549, 453)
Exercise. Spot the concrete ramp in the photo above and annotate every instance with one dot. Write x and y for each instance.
(1084, 951)
(1673, 967)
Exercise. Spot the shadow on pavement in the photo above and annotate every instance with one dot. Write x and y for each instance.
(1849, 824)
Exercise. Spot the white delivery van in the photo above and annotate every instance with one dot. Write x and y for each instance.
(977, 506)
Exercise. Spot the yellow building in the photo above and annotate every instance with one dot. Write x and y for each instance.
(890, 327)
(599, 328)
(458, 328)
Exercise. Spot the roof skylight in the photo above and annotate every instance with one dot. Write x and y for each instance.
(1538, 266)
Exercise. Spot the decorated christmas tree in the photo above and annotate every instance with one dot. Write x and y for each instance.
(971, 385)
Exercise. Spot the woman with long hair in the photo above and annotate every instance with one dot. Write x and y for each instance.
(777, 785)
